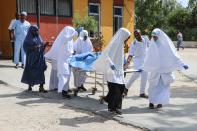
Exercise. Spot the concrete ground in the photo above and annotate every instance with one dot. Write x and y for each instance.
(36, 111)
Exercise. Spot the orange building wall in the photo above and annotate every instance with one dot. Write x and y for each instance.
(129, 13)
(80, 6)
(7, 11)
(107, 19)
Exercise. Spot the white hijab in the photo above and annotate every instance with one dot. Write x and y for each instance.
(162, 56)
(81, 46)
(114, 52)
(66, 35)
(83, 33)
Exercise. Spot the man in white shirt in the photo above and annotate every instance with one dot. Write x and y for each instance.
(17, 16)
(18, 34)
(138, 49)
(82, 45)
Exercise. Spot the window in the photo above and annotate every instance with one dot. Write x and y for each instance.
(27, 5)
(65, 7)
(94, 10)
(118, 18)
(47, 7)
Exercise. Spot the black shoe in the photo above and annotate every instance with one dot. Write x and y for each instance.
(112, 111)
(42, 90)
(16, 66)
(143, 96)
(65, 95)
(82, 88)
(118, 112)
(69, 91)
(159, 106)
(151, 106)
(125, 93)
(30, 88)
(22, 66)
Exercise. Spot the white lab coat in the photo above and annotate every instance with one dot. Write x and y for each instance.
(65, 52)
(138, 52)
(21, 30)
(11, 24)
(80, 47)
(113, 55)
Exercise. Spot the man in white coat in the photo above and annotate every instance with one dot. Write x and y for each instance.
(17, 17)
(161, 60)
(82, 45)
(61, 50)
(18, 34)
(138, 49)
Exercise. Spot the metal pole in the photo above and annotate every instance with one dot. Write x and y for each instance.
(17, 6)
(57, 17)
(38, 13)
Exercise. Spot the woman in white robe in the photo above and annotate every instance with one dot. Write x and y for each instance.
(161, 60)
(110, 63)
(82, 45)
(61, 50)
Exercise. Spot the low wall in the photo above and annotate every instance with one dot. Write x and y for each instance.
(188, 44)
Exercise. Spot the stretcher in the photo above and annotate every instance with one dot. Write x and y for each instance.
(83, 62)
(99, 81)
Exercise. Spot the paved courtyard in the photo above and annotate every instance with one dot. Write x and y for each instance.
(21, 110)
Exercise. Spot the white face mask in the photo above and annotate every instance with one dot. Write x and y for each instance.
(157, 42)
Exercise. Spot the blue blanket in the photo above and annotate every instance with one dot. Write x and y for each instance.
(83, 61)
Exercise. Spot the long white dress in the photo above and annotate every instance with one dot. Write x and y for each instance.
(161, 60)
(61, 50)
(53, 84)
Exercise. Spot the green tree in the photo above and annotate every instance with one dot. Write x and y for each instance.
(179, 18)
(167, 15)
(192, 6)
(152, 13)
(88, 22)
(182, 19)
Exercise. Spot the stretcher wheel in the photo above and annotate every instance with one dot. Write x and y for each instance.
(101, 100)
(76, 92)
(94, 91)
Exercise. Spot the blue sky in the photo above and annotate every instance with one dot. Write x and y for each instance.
(183, 2)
